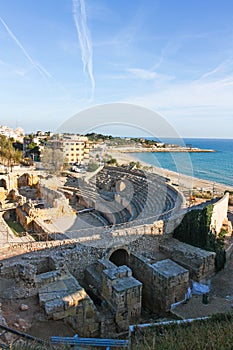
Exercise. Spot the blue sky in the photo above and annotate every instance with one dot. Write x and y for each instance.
(58, 57)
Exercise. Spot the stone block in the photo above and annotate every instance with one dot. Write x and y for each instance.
(64, 314)
(54, 306)
(199, 262)
(68, 301)
(77, 297)
(90, 313)
(47, 277)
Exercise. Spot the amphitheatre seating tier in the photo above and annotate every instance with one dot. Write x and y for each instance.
(145, 196)
(152, 197)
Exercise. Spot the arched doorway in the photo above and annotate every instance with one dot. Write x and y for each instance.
(120, 257)
(23, 180)
(3, 184)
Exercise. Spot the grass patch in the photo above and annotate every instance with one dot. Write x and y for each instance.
(36, 346)
(15, 227)
(213, 333)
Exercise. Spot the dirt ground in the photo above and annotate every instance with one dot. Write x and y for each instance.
(32, 321)
(220, 297)
(222, 282)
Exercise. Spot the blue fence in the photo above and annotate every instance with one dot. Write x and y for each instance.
(96, 342)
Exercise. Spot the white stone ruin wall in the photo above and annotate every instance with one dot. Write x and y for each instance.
(58, 203)
(219, 213)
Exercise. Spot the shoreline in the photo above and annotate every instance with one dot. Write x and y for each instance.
(177, 179)
(166, 150)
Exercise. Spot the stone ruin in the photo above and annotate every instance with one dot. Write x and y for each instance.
(95, 290)
(62, 297)
(116, 286)
(199, 262)
(98, 293)
(55, 206)
(164, 282)
(59, 293)
(33, 202)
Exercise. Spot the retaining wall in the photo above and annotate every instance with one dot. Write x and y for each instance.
(219, 213)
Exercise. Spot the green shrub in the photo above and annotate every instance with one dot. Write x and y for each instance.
(195, 230)
(92, 166)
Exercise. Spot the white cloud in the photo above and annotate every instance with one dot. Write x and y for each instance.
(224, 68)
(80, 20)
(42, 71)
(181, 97)
(145, 74)
(21, 72)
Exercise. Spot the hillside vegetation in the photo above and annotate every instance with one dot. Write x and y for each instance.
(213, 333)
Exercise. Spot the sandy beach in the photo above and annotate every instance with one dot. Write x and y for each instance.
(184, 182)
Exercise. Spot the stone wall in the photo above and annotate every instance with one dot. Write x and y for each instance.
(199, 262)
(142, 271)
(172, 222)
(28, 267)
(27, 214)
(60, 294)
(164, 282)
(23, 218)
(6, 232)
(80, 257)
(55, 200)
(120, 290)
(123, 294)
(3, 194)
(170, 284)
(219, 213)
(9, 180)
(20, 271)
(73, 254)
(62, 297)
(27, 179)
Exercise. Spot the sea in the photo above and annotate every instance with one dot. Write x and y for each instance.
(214, 166)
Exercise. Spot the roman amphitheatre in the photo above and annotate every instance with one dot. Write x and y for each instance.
(97, 253)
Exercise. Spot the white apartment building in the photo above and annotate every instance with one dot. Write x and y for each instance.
(75, 148)
(16, 134)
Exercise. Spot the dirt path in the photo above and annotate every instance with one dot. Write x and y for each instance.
(220, 297)
(222, 282)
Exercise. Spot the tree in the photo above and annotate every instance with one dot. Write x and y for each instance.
(8, 154)
(31, 145)
(53, 160)
(92, 166)
(33, 151)
(136, 164)
(112, 161)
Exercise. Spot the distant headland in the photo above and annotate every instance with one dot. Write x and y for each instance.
(136, 145)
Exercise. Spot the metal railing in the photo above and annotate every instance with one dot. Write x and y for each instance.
(19, 335)
(96, 342)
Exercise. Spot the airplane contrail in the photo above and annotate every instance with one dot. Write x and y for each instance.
(80, 20)
(42, 71)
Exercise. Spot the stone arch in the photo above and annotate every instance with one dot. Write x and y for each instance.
(23, 180)
(119, 257)
(3, 184)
